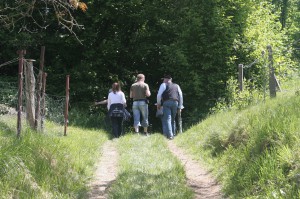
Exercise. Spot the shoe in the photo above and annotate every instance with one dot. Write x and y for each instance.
(171, 138)
(146, 134)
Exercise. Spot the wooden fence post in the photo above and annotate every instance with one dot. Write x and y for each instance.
(39, 88)
(20, 91)
(272, 82)
(67, 104)
(43, 109)
(30, 92)
(241, 76)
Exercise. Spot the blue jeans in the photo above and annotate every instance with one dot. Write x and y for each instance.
(140, 108)
(164, 127)
(170, 109)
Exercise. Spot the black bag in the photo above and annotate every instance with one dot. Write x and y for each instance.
(117, 113)
(127, 115)
(116, 110)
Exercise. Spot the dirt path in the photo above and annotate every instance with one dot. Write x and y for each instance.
(106, 172)
(200, 180)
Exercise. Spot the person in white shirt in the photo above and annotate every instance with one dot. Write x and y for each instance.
(115, 104)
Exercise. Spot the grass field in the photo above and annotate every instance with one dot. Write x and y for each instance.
(47, 165)
(148, 170)
(254, 152)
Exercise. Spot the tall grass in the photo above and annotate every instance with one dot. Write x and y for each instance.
(254, 152)
(148, 170)
(46, 165)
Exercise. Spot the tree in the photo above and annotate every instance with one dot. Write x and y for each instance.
(35, 15)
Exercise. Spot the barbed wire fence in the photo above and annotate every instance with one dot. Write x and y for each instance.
(267, 63)
(271, 84)
(52, 107)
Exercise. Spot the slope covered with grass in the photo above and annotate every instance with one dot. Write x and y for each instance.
(254, 152)
(47, 165)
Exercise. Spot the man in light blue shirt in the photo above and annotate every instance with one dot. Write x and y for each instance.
(169, 97)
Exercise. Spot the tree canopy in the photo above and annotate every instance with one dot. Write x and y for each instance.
(200, 43)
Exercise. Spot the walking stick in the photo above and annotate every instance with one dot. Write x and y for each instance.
(179, 120)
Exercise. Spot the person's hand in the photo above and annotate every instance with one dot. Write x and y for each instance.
(96, 103)
(158, 106)
(179, 110)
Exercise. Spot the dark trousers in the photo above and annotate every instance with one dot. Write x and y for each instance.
(117, 126)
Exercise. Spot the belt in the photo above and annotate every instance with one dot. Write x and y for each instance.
(139, 100)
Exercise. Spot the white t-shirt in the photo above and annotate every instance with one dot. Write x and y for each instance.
(115, 98)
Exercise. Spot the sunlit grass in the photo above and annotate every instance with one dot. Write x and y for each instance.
(47, 165)
(148, 170)
(255, 152)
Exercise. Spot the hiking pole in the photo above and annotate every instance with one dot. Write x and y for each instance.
(179, 121)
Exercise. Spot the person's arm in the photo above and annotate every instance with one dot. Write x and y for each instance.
(101, 102)
(147, 91)
(108, 102)
(180, 104)
(131, 94)
(162, 88)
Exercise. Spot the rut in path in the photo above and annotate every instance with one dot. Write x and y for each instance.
(200, 180)
(106, 172)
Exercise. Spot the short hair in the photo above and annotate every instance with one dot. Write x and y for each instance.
(140, 76)
(116, 87)
(167, 76)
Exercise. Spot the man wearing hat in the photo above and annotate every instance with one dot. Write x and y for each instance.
(170, 95)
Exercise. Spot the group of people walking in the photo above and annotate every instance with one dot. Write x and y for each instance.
(169, 101)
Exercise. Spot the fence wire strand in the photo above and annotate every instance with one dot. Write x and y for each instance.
(54, 105)
(9, 62)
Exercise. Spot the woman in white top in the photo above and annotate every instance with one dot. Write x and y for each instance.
(115, 104)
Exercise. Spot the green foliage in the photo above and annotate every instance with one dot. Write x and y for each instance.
(48, 165)
(236, 99)
(8, 92)
(148, 170)
(91, 118)
(199, 42)
(254, 152)
(263, 28)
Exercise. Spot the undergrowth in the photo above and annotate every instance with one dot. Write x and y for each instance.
(46, 165)
(255, 151)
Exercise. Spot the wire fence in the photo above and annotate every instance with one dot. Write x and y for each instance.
(54, 105)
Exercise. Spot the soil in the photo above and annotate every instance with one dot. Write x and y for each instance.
(198, 178)
(106, 172)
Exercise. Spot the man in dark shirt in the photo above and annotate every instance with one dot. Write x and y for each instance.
(139, 92)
